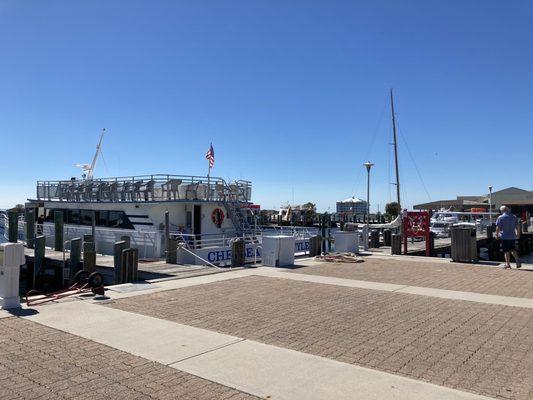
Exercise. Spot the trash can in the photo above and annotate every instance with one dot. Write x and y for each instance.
(464, 244)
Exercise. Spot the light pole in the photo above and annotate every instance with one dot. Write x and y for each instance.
(368, 165)
(490, 204)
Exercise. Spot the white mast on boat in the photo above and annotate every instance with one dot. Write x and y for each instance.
(395, 150)
(88, 170)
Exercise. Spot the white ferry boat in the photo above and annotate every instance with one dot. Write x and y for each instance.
(205, 213)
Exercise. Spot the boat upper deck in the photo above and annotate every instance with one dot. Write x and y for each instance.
(145, 188)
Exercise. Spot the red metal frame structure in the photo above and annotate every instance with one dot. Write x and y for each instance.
(416, 224)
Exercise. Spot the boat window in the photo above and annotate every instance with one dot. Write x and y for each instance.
(86, 217)
(73, 216)
(102, 217)
(110, 219)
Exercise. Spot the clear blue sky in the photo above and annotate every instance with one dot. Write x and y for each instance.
(293, 94)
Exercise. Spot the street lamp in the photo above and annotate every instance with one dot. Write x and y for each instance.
(368, 165)
(490, 204)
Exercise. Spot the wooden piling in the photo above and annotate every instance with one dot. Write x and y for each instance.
(89, 257)
(237, 253)
(13, 221)
(29, 217)
(38, 258)
(126, 239)
(396, 244)
(88, 238)
(135, 265)
(117, 261)
(167, 237)
(58, 237)
(172, 251)
(75, 257)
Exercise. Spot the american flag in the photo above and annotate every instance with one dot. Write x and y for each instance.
(210, 156)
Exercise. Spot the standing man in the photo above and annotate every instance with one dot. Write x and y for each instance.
(508, 231)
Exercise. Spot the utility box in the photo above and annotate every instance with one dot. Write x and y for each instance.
(464, 244)
(11, 258)
(346, 242)
(278, 251)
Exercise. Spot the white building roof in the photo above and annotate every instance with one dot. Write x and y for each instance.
(352, 200)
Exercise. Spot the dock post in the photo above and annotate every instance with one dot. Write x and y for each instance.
(387, 237)
(374, 238)
(314, 245)
(75, 257)
(237, 253)
(135, 266)
(89, 257)
(167, 236)
(30, 227)
(365, 237)
(323, 233)
(130, 258)
(58, 231)
(396, 244)
(13, 220)
(38, 258)
(126, 239)
(117, 261)
(172, 251)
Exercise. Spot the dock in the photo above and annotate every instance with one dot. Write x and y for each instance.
(149, 270)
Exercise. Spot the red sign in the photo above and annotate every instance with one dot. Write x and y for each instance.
(416, 224)
(252, 206)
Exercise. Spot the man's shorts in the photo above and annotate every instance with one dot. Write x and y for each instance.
(508, 245)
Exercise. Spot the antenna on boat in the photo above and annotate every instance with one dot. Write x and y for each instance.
(88, 169)
(395, 150)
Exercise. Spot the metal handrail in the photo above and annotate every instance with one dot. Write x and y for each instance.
(134, 188)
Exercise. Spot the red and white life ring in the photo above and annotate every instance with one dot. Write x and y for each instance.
(217, 216)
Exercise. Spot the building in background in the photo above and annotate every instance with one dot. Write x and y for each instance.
(351, 209)
(520, 201)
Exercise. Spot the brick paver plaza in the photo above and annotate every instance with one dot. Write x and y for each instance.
(37, 362)
(471, 346)
(451, 276)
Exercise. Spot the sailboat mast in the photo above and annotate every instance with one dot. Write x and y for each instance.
(395, 150)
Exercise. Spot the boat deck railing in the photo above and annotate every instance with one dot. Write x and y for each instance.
(145, 188)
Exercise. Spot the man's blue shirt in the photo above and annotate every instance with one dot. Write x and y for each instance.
(507, 224)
